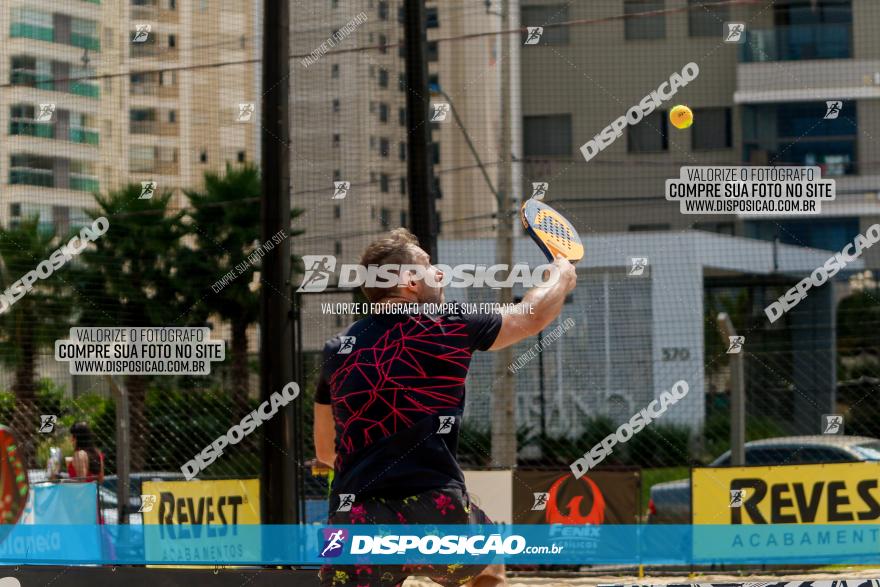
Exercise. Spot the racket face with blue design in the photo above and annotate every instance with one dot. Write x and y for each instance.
(550, 230)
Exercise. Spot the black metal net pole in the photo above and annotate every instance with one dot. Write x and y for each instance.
(278, 487)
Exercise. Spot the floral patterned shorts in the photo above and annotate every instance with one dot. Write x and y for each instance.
(447, 506)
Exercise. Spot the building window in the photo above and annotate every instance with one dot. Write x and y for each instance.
(402, 155)
(637, 26)
(383, 77)
(336, 105)
(383, 112)
(384, 147)
(797, 134)
(172, 41)
(382, 9)
(548, 135)
(336, 140)
(547, 15)
(401, 83)
(383, 183)
(434, 82)
(383, 44)
(172, 116)
(435, 153)
(403, 217)
(334, 70)
(241, 156)
(337, 175)
(706, 19)
(433, 51)
(203, 156)
(716, 227)
(401, 116)
(334, 3)
(384, 217)
(402, 186)
(337, 212)
(651, 135)
(337, 248)
(714, 130)
(431, 17)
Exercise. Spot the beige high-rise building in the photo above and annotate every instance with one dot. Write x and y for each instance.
(348, 117)
(131, 117)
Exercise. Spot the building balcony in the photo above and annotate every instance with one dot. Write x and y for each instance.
(154, 90)
(154, 167)
(42, 82)
(153, 127)
(47, 178)
(143, 50)
(797, 43)
(48, 130)
(47, 34)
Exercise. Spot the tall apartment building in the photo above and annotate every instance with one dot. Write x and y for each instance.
(348, 115)
(758, 102)
(121, 112)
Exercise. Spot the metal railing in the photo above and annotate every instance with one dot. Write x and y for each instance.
(797, 43)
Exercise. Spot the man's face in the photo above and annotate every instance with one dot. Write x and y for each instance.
(426, 293)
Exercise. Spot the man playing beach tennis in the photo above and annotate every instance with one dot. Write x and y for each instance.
(388, 413)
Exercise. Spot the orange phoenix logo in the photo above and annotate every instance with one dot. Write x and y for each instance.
(573, 514)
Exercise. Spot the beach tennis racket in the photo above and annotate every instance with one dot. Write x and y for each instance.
(553, 234)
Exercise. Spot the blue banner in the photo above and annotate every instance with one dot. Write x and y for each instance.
(215, 544)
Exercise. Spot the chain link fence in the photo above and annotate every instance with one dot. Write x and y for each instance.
(185, 255)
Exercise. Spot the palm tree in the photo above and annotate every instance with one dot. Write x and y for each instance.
(34, 322)
(224, 228)
(132, 278)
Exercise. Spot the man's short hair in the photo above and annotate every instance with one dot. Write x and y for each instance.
(397, 247)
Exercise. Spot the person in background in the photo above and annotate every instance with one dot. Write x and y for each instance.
(87, 462)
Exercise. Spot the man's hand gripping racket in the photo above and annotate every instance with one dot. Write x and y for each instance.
(555, 236)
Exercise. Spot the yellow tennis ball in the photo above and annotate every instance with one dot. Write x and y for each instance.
(681, 116)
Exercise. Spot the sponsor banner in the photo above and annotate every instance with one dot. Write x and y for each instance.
(790, 494)
(557, 544)
(774, 511)
(556, 497)
(62, 503)
(51, 506)
(203, 521)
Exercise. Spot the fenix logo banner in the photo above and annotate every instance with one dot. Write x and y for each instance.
(320, 269)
